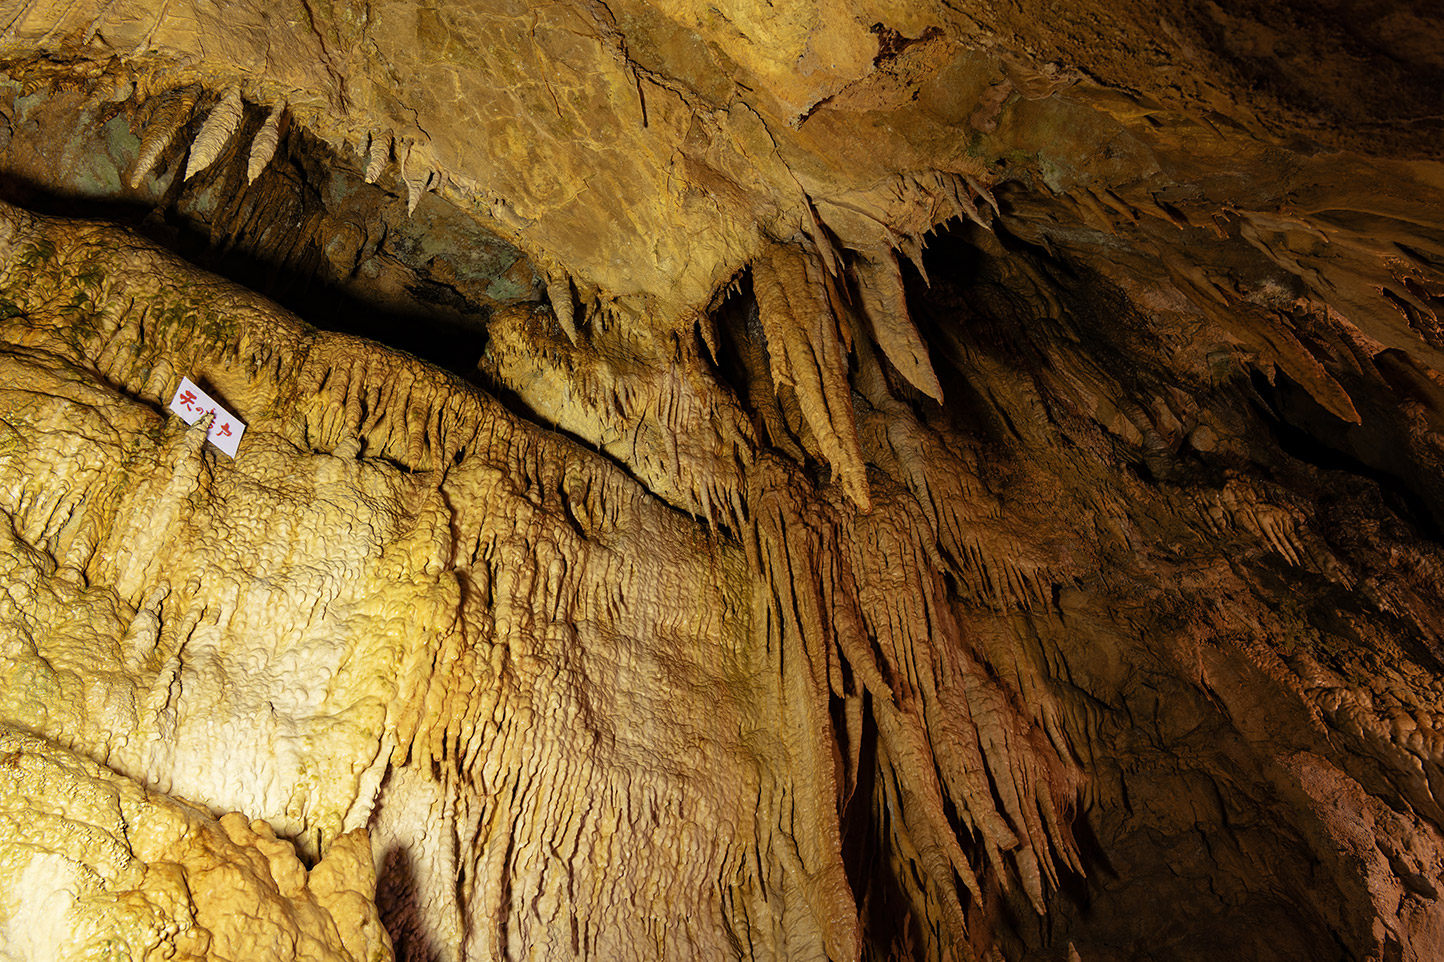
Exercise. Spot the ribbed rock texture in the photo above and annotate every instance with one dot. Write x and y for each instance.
(886, 482)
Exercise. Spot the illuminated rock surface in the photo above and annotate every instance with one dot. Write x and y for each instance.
(869, 481)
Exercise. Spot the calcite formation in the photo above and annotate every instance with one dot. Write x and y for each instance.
(102, 868)
(831, 481)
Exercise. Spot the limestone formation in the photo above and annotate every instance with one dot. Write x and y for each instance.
(378, 152)
(263, 148)
(839, 481)
(215, 133)
(160, 132)
(96, 866)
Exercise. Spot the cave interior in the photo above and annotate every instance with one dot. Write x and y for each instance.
(817, 481)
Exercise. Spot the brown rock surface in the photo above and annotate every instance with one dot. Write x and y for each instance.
(906, 482)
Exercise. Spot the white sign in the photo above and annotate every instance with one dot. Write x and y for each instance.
(191, 403)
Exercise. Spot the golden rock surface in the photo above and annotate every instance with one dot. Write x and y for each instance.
(92, 865)
(937, 483)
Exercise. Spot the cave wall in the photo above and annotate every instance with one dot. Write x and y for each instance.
(868, 483)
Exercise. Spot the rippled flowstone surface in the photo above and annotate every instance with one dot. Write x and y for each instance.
(400, 609)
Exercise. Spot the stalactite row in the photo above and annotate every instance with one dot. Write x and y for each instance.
(415, 418)
(211, 140)
(53, 507)
(811, 299)
(857, 602)
(416, 173)
(511, 693)
(992, 564)
(1334, 277)
(143, 339)
(139, 337)
(1395, 718)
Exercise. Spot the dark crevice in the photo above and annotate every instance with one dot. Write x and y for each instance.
(1302, 429)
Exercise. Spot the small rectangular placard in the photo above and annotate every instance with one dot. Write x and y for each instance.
(191, 403)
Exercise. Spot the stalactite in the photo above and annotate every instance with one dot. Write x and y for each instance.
(947, 734)
(263, 148)
(378, 155)
(416, 176)
(169, 118)
(805, 350)
(879, 281)
(216, 132)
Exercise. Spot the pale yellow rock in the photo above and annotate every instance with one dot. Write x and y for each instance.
(91, 862)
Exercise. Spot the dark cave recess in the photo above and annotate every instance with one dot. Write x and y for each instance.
(308, 233)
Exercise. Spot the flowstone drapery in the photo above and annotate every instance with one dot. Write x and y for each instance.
(542, 690)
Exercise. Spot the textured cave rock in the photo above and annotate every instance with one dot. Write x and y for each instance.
(859, 481)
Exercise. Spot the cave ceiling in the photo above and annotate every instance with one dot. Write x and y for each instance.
(731, 480)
